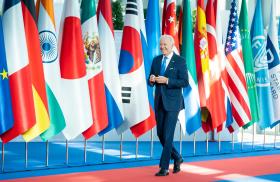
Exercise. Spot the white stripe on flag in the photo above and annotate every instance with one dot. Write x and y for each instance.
(235, 54)
(239, 108)
(15, 61)
(237, 82)
(110, 62)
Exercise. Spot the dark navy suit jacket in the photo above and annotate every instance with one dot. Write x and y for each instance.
(177, 75)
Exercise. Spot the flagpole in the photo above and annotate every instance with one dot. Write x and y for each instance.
(275, 134)
(194, 143)
(3, 157)
(253, 139)
(242, 133)
(121, 146)
(136, 150)
(207, 143)
(67, 152)
(152, 143)
(26, 154)
(232, 139)
(85, 151)
(219, 142)
(47, 153)
(103, 147)
(181, 132)
(264, 133)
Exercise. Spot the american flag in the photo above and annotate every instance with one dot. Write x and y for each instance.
(236, 73)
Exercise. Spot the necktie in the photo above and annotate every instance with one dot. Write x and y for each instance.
(163, 65)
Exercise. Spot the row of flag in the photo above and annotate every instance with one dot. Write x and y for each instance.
(74, 83)
(233, 80)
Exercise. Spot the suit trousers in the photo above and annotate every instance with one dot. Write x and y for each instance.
(166, 123)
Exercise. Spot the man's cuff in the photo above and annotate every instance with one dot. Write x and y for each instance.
(167, 81)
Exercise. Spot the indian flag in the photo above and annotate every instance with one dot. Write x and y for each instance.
(48, 42)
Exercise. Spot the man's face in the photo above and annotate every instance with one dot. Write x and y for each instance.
(166, 46)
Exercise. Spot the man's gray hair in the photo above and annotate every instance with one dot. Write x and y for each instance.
(169, 37)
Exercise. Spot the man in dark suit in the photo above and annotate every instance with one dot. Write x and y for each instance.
(169, 75)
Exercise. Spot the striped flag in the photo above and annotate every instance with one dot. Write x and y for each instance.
(110, 66)
(49, 53)
(93, 63)
(131, 68)
(249, 66)
(6, 113)
(202, 60)
(273, 60)
(76, 100)
(169, 22)
(261, 69)
(37, 74)
(191, 96)
(141, 128)
(18, 69)
(236, 73)
(217, 107)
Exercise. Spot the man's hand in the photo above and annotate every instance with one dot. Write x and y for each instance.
(161, 80)
(152, 79)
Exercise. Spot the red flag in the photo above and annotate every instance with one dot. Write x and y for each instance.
(170, 22)
(216, 98)
(18, 69)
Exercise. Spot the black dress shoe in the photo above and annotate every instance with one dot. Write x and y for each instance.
(162, 172)
(177, 164)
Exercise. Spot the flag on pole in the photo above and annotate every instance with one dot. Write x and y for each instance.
(261, 69)
(132, 71)
(170, 22)
(76, 99)
(6, 113)
(110, 66)
(236, 72)
(217, 107)
(141, 128)
(37, 74)
(49, 53)
(202, 60)
(93, 63)
(273, 60)
(153, 33)
(18, 70)
(190, 93)
(249, 66)
(222, 61)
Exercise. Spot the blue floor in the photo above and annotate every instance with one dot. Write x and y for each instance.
(15, 156)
